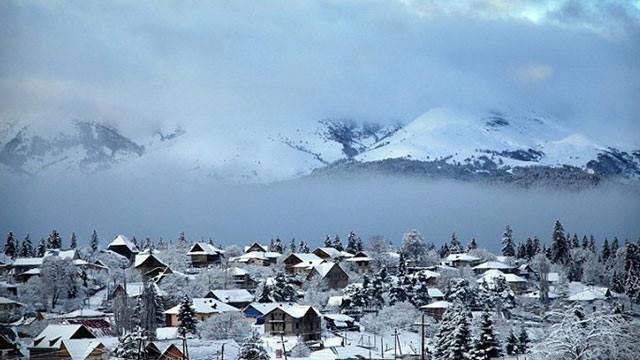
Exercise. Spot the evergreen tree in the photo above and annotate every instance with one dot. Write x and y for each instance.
(444, 250)
(282, 290)
(397, 292)
(153, 315)
(271, 245)
(337, 243)
(522, 251)
(402, 265)
(472, 245)
(303, 247)
(265, 294)
(277, 245)
(414, 247)
(10, 247)
(575, 242)
(592, 244)
(606, 252)
(617, 282)
(352, 246)
(488, 345)
(632, 272)
(512, 346)
(453, 336)
(54, 241)
(127, 347)
(74, 241)
(252, 348)
(529, 250)
(585, 242)
(613, 249)
(292, 245)
(26, 250)
(327, 241)
(536, 247)
(186, 317)
(42, 248)
(454, 245)
(560, 246)
(523, 340)
(94, 242)
(507, 242)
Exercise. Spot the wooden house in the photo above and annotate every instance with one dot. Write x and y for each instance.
(121, 245)
(361, 262)
(293, 320)
(48, 343)
(204, 308)
(331, 274)
(307, 260)
(160, 350)
(204, 254)
(149, 265)
(238, 298)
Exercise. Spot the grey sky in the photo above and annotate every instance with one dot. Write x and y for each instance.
(228, 65)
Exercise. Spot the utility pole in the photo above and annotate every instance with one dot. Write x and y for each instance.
(222, 354)
(421, 324)
(284, 351)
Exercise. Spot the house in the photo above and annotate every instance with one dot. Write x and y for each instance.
(361, 261)
(526, 271)
(9, 344)
(493, 265)
(435, 294)
(331, 253)
(590, 295)
(431, 277)
(516, 283)
(135, 289)
(331, 274)
(5, 263)
(257, 258)
(255, 247)
(293, 320)
(297, 258)
(204, 254)
(96, 321)
(21, 265)
(240, 278)
(149, 265)
(48, 343)
(8, 288)
(340, 322)
(204, 308)
(461, 260)
(238, 298)
(10, 310)
(160, 350)
(436, 309)
(257, 311)
(121, 245)
(306, 267)
(83, 349)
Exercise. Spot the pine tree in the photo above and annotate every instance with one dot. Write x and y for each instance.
(536, 247)
(454, 245)
(592, 244)
(127, 347)
(271, 245)
(277, 245)
(252, 348)
(74, 241)
(585, 242)
(444, 250)
(453, 336)
(10, 247)
(26, 250)
(153, 315)
(352, 247)
(282, 290)
(94, 242)
(560, 246)
(512, 346)
(303, 247)
(507, 242)
(292, 245)
(54, 241)
(186, 317)
(488, 345)
(575, 243)
(327, 241)
(523, 341)
(472, 245)
(606, 252)
(265, 294)
(617, 282)
(42, 248)
(402, 265)
(522, 251)
(528, 248)
(337, 243)
(632, 272)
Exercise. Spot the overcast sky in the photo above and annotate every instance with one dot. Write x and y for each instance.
(263, 64)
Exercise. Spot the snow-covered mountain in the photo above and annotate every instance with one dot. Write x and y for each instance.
(443, 142)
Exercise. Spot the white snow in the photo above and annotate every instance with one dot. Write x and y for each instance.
(205, 306)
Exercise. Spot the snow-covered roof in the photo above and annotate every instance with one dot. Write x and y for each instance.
(340, 352)
(205, 306)
(5, 301)
(335, 300)
(206, 249)
(429, 273)
(264, 308)
(493, 265)
(79, 349)
(461, 257)
(587, 295)
(141, 258)
(306, 257)
(437, 305)
(251, 255)
(308, 264)
(34, 261)
(435, 293)
(335, 253)
(264, 247)
(63, 254)
(232, 295)
(490, 275)
(167, 333)
(53, 335)
(324, 268)
(236, 271)
(86, 313)
(34, 271)
(135, 289)
(123, 240)
(295, 310)
(553, 277)
(339, 317)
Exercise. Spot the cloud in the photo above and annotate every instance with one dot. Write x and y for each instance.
(533, 74)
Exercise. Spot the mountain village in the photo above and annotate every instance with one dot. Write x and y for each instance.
(562, 297)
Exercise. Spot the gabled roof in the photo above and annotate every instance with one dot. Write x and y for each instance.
(264, 248)
(360, 256)
(461, 257)
(5, 301)
(232, 295)
(30, 261)
(205, 306)
(268, 255)
(294, 310)
(490, 275)
(83, 313)
(262, 308)
(309, 264)
(80, 349)
(305, 257)
(122, 240)
(53, 335)
(435, 293)
(493, 265)
(142, 258)
(63, 254)
(324, 268)
(202, 248)
(332, 252)
(135, 289)
(437, 305)
(588, 295)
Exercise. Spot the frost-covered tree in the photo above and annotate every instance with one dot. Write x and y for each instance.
(10, 247)
(54, 241)
(127, 347)
(73, 243)
(42, 248)
(337, 243)
(523, 340)
(300, 350)
(252, 348)
(632, 272)
(455, 247)
(282, 290)
(153, 314)
(303, 247)
(496, 294)
(529, 250)
(413, 247)
(94, 242)
(453, 338)
(541, 266)
(399, 316)
(26, 250)
(606, 251)
(592, 270)
(507, 242)
(576, 334)
(592, 244)
(575, 242)
(458, 290)
(327, 241)
(521, 253)
(60, 280)
(292, 245)
(186, 317)
(277, 246)
(512, 344)
(559, 246)
(228, 325)
(613, 249)
(354, 244)
(488, 345)
(472, 245)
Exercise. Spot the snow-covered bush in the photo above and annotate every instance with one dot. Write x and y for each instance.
(228, 325)
(400, 316)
